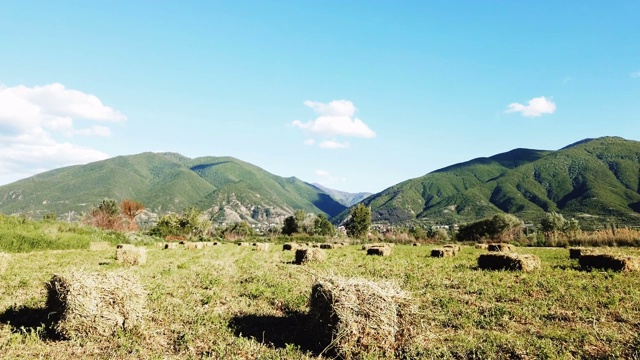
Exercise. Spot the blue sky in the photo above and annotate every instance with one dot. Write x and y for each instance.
(355, 95)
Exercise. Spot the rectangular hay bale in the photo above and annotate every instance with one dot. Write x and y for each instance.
(444, 252)
(508, 261)
(131, 256)
(357, 318)
(609, 262)
(576, 252)
(499, 247)
(95, 304)
(262, 246)
(379, 251)
(309, 255)
(289, 246)
(170, 246)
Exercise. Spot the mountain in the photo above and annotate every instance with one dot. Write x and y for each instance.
(230, 189)
(595, 180)
(344, 198)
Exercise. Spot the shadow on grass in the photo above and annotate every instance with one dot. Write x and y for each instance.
(24, 319)
(276, 331)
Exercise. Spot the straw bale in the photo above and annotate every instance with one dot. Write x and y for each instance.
(379, 250)
(99, 246)
(95, 304)
(309, 255)
(262, 247)
(243, 244)
(609, 262)
(131, 256)
(170, 246)
(482, 246)
(369, 246)
(508, 261)
(576, 252)
(454, 247)
(125, 246)
(499, 247)
(327, 246)
(215, 243)
(193, 245)
(207, 243)
(4, 261)
(353, 318)
(416, 244)
(444, 252)
(289, 246)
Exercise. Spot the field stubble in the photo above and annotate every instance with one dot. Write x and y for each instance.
(230, 302)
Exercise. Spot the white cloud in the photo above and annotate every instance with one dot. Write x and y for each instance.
(635, 74)
(335, 119)
(534, 108)
(31, 118)
(309, 142)
(332, 144)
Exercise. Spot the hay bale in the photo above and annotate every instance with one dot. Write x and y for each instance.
(416, 244)
(243, 244)
(482, 246)
(327, 246)
(95, 304)
(352, 318)
(375, 245)
(215, 243)
(125, 246)
(193, 245)
(454, 247)
(508, 261)
(379, 250)
(99, 246)
(499, 247)
(576, 252)
(309, 255)
(444, 252)
(207, 243)
(609, 262)
(289, 246)
(170, 246)
(4, 261)
(131, 256)
(262, 247)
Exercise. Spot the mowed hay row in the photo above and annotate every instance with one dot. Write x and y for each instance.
(310, 255)
(131, 256)
(609, 262)
(508, 261)
(262, 246)
(351, 318)
(89, 304)
(193, 245)
(577, 252)
(444, 252)
(482, 246)
(4, 261)
(499, 247)
(379, 251)
(99, 246)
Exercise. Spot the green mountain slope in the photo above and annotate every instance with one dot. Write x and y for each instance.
(596, 180)
(168, 182)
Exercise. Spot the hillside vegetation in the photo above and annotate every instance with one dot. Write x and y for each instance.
(596, 181)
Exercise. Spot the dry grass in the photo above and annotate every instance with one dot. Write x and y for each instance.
(352, 318)
(89, 304)
(99, 246)
(508, 261)
(609, 262)
(310, 255)
(4, 261)
(131, 256)
(501, 247)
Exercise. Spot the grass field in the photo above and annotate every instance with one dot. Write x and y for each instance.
(232, 302)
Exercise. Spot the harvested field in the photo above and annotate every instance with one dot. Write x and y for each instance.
(379, 251)
(508, 261)
(4, 261)
(356, 317)
(499, 247)
(131, 256)
(609, 262)
(262, 247)
(310, 255)
(99, 246)
(95, 304)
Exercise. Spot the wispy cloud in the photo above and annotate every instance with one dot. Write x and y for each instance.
(332, 144)
(335, 118)
(31, 120)
(534, 108)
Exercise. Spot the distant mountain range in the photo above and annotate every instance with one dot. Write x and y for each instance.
(594, 180)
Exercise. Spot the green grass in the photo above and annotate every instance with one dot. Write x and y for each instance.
(231, 302)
